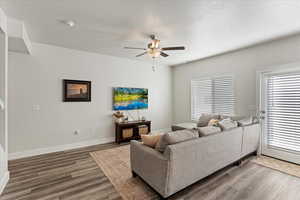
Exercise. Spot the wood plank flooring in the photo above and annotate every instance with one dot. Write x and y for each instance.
(246, 182)
(73, 175)
(59, 176)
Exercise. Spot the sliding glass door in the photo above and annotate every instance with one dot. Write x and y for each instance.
(280, 114)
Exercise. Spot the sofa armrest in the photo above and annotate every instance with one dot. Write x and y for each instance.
(150, 165)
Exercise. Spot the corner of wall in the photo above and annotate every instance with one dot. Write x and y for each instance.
(172, 94)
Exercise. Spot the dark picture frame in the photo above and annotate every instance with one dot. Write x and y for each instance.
(76, 90)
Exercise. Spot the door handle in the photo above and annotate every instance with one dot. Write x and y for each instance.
(1, 105)
(262, 115)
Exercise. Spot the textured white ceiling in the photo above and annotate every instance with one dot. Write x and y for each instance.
(205, 27)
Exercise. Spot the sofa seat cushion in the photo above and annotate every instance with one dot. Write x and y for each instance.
(175, 137)
(208, 130)
(205, 118)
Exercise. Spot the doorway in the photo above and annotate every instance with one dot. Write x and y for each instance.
(2, 94)
(280, 114)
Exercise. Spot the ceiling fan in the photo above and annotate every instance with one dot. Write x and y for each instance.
(154, 50)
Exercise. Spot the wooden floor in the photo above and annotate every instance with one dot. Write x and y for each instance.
(74, 175)
(63, 175)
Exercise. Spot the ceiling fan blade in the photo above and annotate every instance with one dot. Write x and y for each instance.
(135, 48)
(164, 54)
(141, 54)
(173, 48)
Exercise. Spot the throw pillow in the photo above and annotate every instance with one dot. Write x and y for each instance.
(233, 117)
(245, 121)
(150, 140)
(205, 118)
(213, 122)
(227, 124)
(175, 137)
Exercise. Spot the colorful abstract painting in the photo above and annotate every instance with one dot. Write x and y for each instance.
(130, 98)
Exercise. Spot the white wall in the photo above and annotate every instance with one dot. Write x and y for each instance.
(36, 81)
(243, 64)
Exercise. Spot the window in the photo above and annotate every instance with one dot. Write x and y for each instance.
(212, 95)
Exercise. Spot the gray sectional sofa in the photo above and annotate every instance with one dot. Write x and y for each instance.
(185, 163)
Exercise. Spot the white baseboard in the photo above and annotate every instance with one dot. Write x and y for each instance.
(4, 181)
(35, 152)
(40, 151)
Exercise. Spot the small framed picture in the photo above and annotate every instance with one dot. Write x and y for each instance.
(76, 90)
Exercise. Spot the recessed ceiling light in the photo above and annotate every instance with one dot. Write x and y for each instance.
(69, 23)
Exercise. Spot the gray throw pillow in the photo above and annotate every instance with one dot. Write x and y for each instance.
(208, 130)
(205, 118)
(245, 121)
(227, 124)
(233, 117)
(175, 137)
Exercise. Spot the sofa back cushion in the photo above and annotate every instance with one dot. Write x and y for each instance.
(205, 118)
(208, 130)
(175, 137)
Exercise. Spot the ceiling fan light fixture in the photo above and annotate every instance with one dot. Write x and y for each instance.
(154, 50)
(154, 53)
(154, 44)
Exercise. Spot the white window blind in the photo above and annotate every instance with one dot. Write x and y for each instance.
(223, 95)
(283, 111)
(201, 97)
(212, 95)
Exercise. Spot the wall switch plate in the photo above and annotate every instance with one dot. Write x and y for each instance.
(36, 107)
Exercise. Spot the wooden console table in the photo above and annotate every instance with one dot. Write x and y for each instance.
(126, 131)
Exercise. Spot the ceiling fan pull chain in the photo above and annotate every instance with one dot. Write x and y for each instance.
(153, 64)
